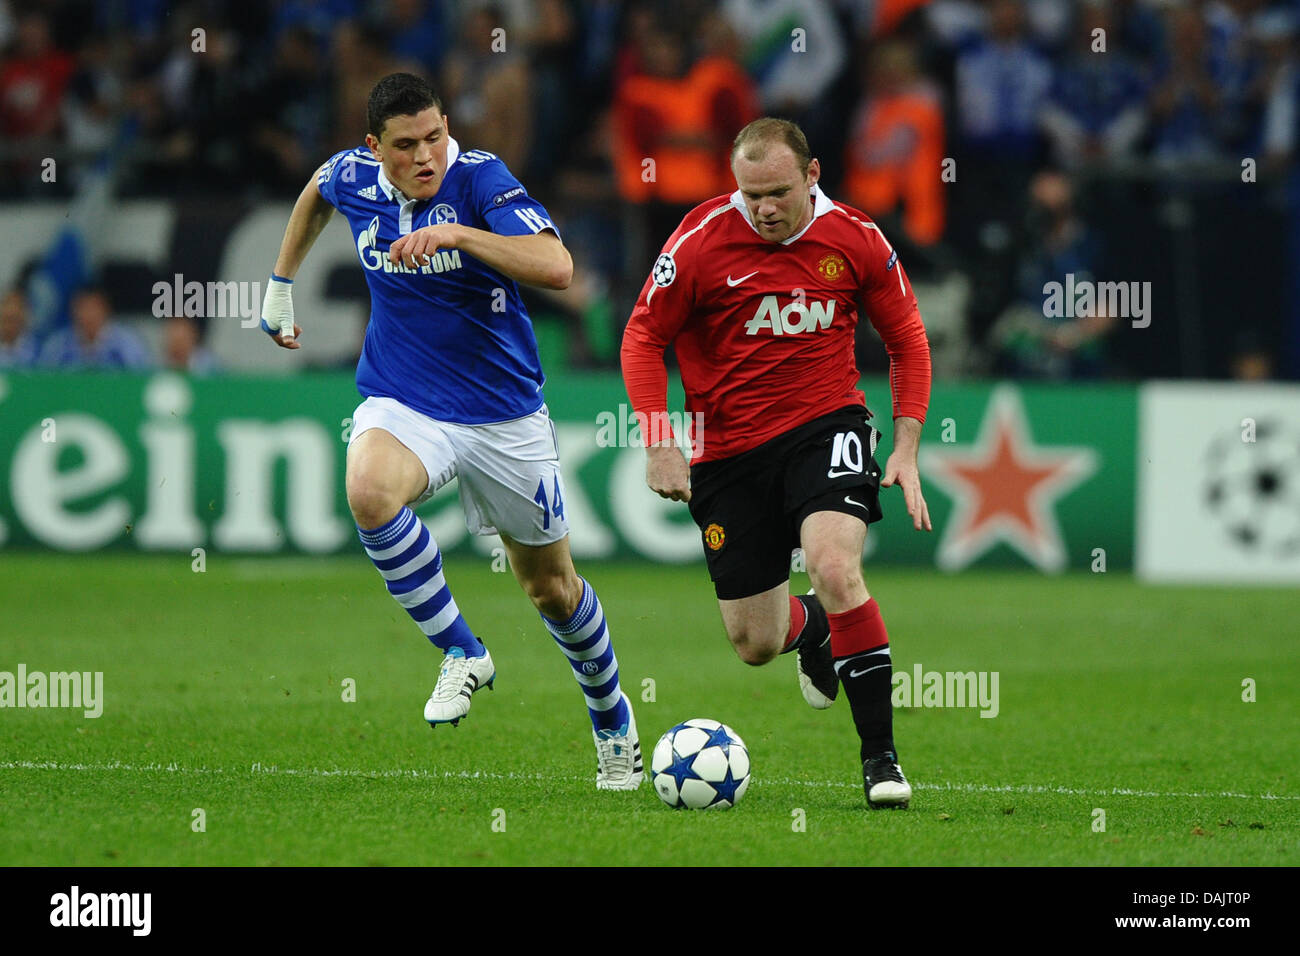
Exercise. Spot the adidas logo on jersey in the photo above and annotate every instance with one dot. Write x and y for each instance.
(793, 319)
(370, 192)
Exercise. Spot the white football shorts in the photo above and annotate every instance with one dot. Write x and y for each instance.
(509, 472)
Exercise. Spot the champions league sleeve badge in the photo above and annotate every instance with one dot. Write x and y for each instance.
(664, 271)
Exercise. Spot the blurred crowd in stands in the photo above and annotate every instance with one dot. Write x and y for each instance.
(967, 129)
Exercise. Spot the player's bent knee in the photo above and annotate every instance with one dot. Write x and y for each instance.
(554, 595)
(372, 504)
(754, 648)
(755, 655)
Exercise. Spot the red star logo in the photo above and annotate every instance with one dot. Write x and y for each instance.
(1004, 488)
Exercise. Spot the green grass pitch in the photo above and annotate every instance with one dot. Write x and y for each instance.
(224, 692)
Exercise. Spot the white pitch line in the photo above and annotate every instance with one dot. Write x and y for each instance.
(420, 774)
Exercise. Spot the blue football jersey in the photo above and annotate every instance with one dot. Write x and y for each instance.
(451, 338)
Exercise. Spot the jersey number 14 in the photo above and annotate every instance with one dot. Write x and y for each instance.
(556, 505)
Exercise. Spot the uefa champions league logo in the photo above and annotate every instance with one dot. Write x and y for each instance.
(1251, 489)
(665, 270)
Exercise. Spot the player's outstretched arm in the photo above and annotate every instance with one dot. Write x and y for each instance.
(901, 469)
(310, 214)
(539, 260)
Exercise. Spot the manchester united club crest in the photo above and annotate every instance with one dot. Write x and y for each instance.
(832, 266)
(715, 537)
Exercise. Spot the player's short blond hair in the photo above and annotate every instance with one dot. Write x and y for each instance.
(752, 141)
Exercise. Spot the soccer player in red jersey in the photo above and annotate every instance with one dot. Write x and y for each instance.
(758, 293)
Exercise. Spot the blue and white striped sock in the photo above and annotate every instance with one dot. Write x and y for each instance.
(411, 564)
(584, 638)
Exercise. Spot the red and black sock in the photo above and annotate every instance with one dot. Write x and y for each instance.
(808, 624)
(798, 618)
(860, 647)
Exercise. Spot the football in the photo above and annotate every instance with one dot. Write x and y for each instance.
(700, 765)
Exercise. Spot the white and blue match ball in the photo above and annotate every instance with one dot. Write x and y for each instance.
(700, 765)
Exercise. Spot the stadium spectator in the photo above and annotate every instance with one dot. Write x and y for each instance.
(638, 25)
(731, 95)
(1186, 102)
(17, 347)
(1234, 65)
(598, 37)
(1049, 21)
(896, 147)
(553, 48)
(317, 18)
(1001, 85)
(93, 103)
(196, 106)
(1096, 111)
(419, 31)
(288, 112)
(1251, 360)
(361, 56)
(798, 53)
(673, 127)
(954, 23)
(487, 84)
(182, 347)
(887, 16)
(1029, 342)
(1140, 31)
(32, 85)
(1279, 90)
(93, 341)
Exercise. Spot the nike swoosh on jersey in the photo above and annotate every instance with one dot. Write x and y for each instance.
(858, 503)
(735, 282)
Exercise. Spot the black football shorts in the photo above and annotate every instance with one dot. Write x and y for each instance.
(750, 507)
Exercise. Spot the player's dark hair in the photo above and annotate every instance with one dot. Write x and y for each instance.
(753, 140)
(398, 94)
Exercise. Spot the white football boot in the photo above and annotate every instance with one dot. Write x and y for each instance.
(618, 755)
(459, 678)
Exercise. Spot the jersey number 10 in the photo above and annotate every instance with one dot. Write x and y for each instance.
(846, 455)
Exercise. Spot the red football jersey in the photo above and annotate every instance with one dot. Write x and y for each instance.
(763, 331)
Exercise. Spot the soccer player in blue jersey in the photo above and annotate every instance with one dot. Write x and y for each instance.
(453, 388)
